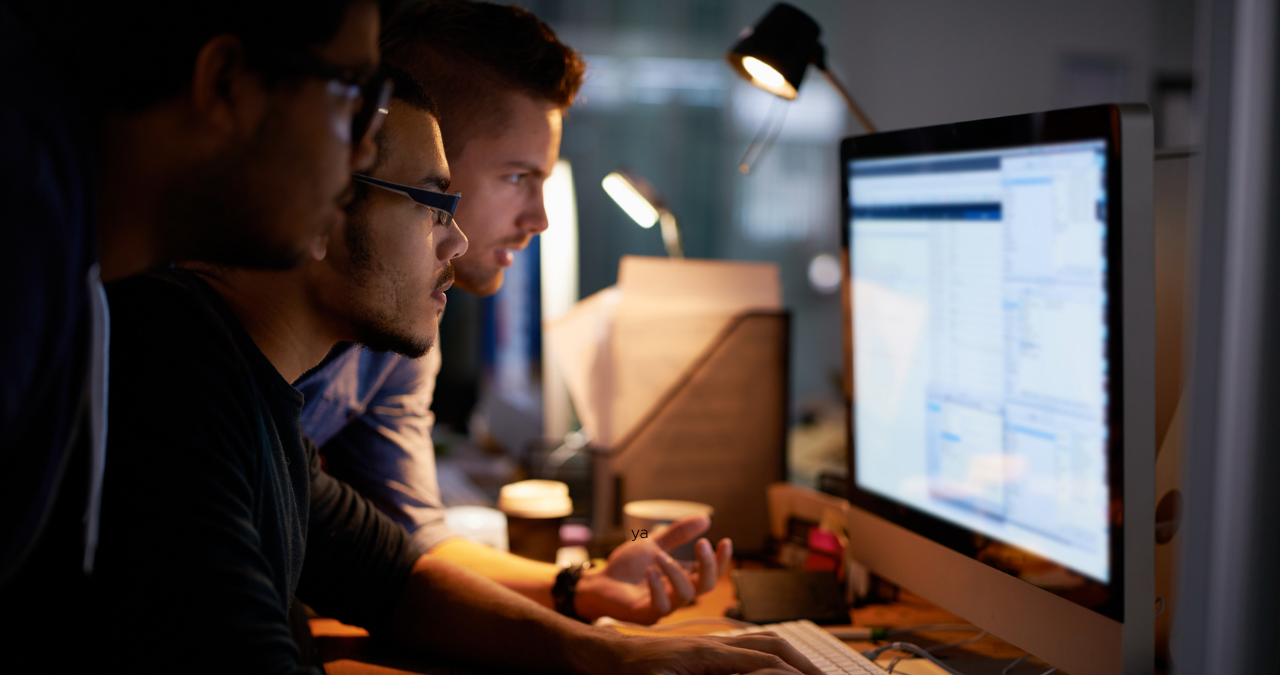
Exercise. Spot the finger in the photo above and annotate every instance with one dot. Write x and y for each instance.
(682, 532)
(737, 658)
(681, 588)
(724, 553)
(658, 593)
(770, 643)
(707, 570)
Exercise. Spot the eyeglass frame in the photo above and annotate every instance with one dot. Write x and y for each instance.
(444, 202)
(374, 93)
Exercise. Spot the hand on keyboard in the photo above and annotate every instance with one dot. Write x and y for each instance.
(831, 656)
(712, 656)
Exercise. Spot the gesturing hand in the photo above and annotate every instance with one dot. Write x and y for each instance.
(642, 583)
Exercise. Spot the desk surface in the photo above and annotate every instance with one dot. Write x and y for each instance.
(346, 650)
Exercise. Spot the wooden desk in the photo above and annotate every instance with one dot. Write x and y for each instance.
(347, 650)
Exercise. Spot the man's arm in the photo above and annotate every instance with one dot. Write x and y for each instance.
(386, 454)
(357, 563)
(453, 612)
(640, 583)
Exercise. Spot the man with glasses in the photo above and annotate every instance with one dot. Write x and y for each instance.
(136, 134)
(216, 502)
(503, 81)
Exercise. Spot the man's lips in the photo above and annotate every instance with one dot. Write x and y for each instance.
(503, 254)
(445, 282)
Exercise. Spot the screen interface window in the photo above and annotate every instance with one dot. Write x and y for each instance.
(980, 363)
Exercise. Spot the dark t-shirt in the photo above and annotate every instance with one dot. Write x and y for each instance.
(215, 511)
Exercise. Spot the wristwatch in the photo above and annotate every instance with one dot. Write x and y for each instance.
(564, 590)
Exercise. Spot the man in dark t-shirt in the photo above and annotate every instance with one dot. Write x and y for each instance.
(216, 515)
(135, 133)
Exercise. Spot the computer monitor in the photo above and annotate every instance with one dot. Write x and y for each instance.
(1000, 372)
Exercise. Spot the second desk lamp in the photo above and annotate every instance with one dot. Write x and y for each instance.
(774, 54)
(635, 195)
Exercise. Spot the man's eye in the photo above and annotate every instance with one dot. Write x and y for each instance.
(514, 178)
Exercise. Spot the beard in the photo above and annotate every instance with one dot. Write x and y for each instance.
(377, 328)
(382, 336)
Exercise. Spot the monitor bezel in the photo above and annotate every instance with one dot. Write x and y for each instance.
(1095, 123)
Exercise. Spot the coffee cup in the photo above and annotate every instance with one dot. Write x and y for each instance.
(652, 516)
(535, 511)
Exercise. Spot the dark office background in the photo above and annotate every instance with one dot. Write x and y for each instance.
(660, 99)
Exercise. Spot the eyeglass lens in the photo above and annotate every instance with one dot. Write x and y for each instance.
(375, 97)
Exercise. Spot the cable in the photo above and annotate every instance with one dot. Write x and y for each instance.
(913, 649)
(770, 128)
(1013, 663)
(949, 645)
(936, 648)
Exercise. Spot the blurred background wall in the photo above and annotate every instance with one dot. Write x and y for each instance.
(660, 99)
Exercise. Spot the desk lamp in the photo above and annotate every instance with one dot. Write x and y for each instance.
(641, 201)
(774, 54)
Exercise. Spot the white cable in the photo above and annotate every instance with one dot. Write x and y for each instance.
(908, 647)
(958, 643)
(1013, 663)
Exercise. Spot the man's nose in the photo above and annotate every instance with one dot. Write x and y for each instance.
(534, 218)
(454, 242)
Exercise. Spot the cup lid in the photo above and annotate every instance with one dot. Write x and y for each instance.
(535, 499)
(666, 509)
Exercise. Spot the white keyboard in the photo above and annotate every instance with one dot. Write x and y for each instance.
(826, 652)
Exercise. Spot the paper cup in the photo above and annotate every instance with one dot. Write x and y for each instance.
(654, 515)
(535, 511)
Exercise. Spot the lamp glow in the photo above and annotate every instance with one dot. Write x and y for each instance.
(763, 72)
(774, 54)
(630, 200)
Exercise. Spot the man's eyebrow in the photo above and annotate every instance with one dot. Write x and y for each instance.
(436, 182)
(528, 167)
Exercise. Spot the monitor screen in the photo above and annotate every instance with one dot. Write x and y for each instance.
(982, 364)
(999, 367)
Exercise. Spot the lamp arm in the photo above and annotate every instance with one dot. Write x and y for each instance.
(853, 105)
(670, 234)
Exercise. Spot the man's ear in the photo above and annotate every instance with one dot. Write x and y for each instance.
(226, 97)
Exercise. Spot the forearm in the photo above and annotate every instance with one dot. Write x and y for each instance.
(451, 611)
(529, 578)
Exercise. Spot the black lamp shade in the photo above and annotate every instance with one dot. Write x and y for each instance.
(786, 40)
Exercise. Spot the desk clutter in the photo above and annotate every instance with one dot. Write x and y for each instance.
(679, 376)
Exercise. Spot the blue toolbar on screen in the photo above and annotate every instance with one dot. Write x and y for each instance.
(980, 342)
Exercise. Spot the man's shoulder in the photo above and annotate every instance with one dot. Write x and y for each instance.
(164, 298)
(172, 316)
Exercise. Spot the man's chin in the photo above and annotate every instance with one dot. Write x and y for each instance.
(374, 339)
(477, 282)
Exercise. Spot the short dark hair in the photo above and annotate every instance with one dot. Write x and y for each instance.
(469, 54)
(131, 54)
(405, 89)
